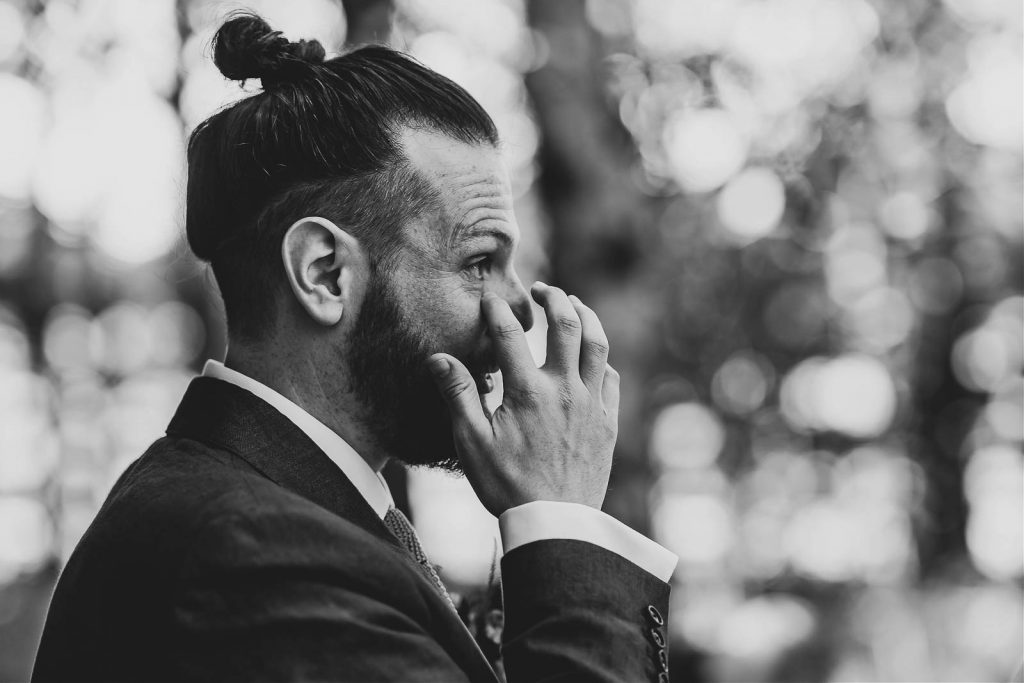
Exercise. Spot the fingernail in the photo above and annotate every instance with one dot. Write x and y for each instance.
(439, 365)
(575, 299)
(540, 284)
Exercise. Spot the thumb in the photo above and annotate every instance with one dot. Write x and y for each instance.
(457, 386)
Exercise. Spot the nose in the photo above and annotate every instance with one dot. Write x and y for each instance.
(519, 301)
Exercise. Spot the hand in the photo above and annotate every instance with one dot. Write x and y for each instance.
(553, 435)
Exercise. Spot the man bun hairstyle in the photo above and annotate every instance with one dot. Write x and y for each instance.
(246, 47)
(321, 138)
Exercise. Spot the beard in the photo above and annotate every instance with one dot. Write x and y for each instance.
(404, 410)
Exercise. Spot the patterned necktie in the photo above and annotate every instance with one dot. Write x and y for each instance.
(399, 525)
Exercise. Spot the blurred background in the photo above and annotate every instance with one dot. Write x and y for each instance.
(800, 221)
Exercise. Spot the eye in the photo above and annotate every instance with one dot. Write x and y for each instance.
(481, 267)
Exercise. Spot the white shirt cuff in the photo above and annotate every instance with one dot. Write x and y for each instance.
(547, 520)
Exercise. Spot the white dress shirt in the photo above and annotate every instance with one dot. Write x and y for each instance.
(536, 521)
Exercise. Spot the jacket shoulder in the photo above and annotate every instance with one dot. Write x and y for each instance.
(180, 486)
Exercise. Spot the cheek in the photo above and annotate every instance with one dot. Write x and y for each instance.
(461, 323)
(451, 317)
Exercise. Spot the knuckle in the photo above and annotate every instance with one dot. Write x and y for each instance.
(573, 394)
(456, 388)
(508, 329)
(566, 400)
(599, 345)
(568, 324)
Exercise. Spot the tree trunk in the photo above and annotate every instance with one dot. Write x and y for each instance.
(369, 21)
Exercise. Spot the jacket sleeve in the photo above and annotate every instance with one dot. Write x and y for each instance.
(577, 612)
(269, 599)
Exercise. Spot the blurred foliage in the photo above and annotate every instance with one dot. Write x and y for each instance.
(800, 220)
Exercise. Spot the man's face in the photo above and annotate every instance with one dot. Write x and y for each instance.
(430, 301)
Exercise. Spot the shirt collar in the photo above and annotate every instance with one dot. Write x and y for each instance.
(368, 482)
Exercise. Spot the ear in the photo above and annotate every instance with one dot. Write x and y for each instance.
(321, 262)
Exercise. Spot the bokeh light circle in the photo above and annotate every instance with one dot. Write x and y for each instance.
(704, 148)
(751, 204)
(686, 435)
(852, 394)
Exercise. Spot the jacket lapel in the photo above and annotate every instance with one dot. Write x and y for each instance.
(222, 414)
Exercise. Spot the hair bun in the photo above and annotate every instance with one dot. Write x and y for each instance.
(246, 47)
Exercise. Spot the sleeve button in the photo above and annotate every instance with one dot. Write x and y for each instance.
(655, 615)
(663, 677)
(657, 637)
(663, 661)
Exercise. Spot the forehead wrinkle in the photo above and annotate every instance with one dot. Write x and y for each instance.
(467, 184)
(475, 197)
(475, 184)
(482, 214)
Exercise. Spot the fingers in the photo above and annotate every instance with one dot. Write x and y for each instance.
(510, 347)
(576, 338)
(564, 328)
(593, 347)
(610, 392)
(458, 387)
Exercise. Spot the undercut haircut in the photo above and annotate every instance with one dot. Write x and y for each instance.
(321, 139)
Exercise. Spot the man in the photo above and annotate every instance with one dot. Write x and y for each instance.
(359, 224)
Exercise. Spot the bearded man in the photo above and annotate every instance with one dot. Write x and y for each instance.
(359, 224)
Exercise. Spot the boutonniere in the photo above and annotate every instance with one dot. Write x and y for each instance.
(481, 611)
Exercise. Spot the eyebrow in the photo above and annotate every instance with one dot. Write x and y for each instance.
(463, 232)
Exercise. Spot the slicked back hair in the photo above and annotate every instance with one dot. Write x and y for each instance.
(322, 139)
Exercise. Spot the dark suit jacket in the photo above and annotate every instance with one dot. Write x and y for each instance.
(234, 549)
